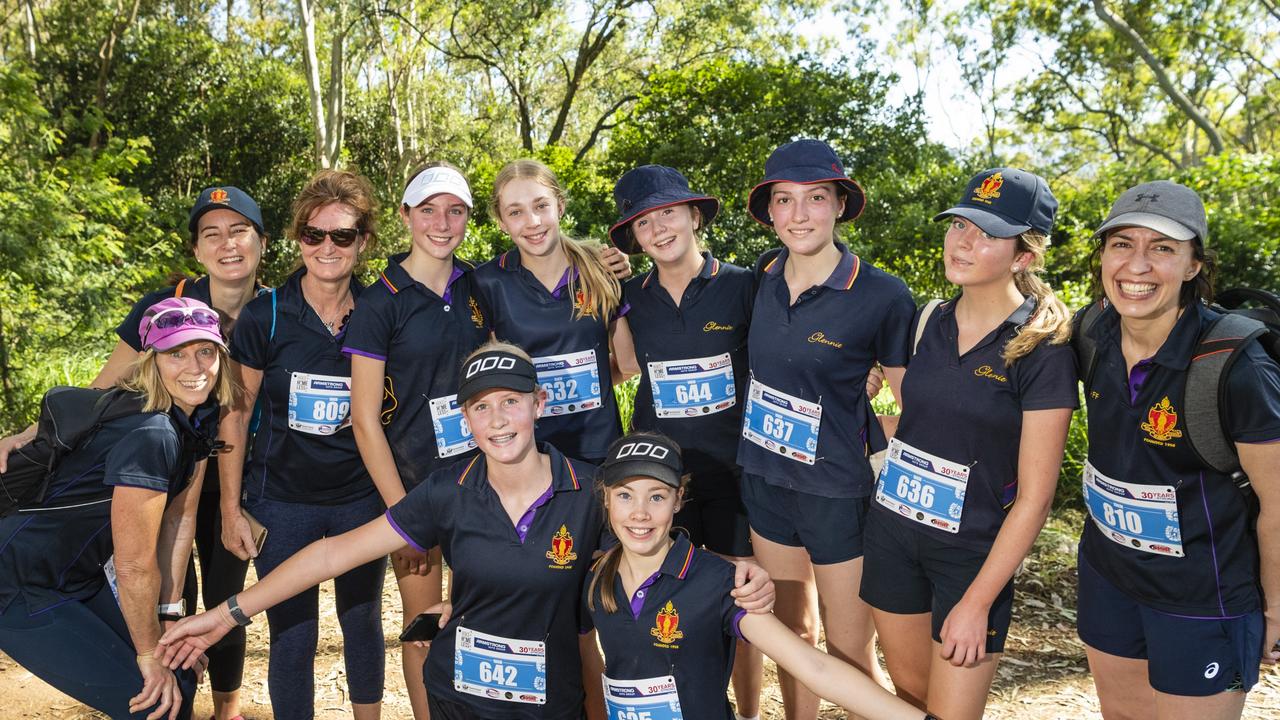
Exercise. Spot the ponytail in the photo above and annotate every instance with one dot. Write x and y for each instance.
(1051, 320)
(595, 290)
(605, 577)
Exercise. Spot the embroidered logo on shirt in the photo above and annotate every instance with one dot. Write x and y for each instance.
(1162, 422)
(986, 371)
(666, 626)
(477, 317)
(389, 401)
(821, 338)
(713, 326)
(561, 552)
(582, 305)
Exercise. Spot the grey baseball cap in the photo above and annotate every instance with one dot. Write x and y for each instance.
(1170, 209)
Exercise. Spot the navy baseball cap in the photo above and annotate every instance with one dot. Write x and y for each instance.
(642, 454)
(1170, 209)
(650, 187)
(806, 162)
(496, 369)
(1006, 202)
(231, 198)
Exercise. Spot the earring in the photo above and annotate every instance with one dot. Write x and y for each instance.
(1017, 269)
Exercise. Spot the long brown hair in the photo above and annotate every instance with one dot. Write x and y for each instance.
(1051, 321)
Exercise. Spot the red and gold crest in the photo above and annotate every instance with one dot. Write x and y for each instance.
(219, 196)
(666, 625)
(990, 187)
(1162, 421)
(581, 303)
(561, 552)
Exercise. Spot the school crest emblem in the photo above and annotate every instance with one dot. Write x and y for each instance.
(666, 627)
(990, 187)
(218, 196)
(1162, 422)
(477, 317)
(582, 304)
(561, 552)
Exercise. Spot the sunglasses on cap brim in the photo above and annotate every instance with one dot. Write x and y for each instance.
(342, 237)
(176, 317)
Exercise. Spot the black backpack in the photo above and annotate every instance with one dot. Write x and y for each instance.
(69, 418)
(1205, 387)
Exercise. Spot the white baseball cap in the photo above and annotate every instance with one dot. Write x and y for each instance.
(434, 181)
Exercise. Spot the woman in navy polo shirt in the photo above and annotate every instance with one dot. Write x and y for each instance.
(957, 510)
(822, 318)
(557, 299)
(87, 577)
(1170, 608)
(306, 479)
(668, 654)
(407, 338)
(688, 318)
(227, 239)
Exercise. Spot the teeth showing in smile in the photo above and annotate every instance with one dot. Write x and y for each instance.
(640, 533)
(232, 259)
(502, 439)
(194, 384)
(328, 260)
(1137, 290)
(665, 242)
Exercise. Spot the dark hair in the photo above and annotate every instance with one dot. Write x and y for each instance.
(1197, 289)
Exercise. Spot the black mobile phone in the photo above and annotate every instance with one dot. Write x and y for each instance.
(422, 628)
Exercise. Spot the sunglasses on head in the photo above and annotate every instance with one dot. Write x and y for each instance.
(342, 237)
(176, 317)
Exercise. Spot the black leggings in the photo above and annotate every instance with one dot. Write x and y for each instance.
(223, 575)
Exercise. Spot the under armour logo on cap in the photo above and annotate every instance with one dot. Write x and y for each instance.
(1153, 197)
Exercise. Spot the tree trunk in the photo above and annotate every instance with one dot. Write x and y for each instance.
(312, 67)
(335, 123)
(29, 29)
(106, 53)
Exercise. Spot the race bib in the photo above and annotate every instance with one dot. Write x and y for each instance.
(499, 668)
(109, 569)
(782, 423)
(922, 487)
(319, 404)
(651, 699)
(572, 382)
(1139, 517)
(689, 388)
(453, 435)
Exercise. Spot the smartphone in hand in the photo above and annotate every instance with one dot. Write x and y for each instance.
(422, 628)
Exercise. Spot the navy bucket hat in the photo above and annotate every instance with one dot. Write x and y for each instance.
(650, 187)
(225, 196)
(806, 162)
(1006, 202)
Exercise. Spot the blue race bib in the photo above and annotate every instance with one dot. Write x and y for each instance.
(499, 668)
(572, 382)
(782, 423)
(922, 487)
(319, 404)
(1139, 517)
(690, 388)
(453, 435)
(650, 699)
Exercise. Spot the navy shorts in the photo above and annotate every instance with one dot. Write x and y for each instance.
(829, 528)
(1185, 655)
(909, 572)
(714, 516)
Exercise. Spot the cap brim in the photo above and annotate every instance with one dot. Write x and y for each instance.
(617, 473)
(991, 223)
(491, 381)
(195, 216)
(424, 194)
(188, 334)
(708, 206)
(855, 200)
(1159, 223)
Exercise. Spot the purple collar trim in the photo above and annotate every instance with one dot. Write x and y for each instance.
(526, 520)
(448, 285)
(1138, 376)
(637, 600)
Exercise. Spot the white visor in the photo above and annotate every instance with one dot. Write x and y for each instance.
(434, 181)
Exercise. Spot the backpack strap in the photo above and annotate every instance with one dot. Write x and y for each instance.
(1204, 394)
(1085, 348)
(922, 319)
(177, 290)
(272, 336)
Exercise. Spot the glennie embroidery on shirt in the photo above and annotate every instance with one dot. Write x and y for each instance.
(821, 338)
(713, 326)
(561, 552)
(1161, 424)
(987, 371)
(477, 317)
(666, 626)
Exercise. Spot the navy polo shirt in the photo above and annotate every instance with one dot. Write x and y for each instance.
(711, 320)
(967, 409)
(820, 350)
(52, 557)
(291, 465)
(1135, 436)
(680, 622)
(525, 313)
(423, 339)
(521, 582)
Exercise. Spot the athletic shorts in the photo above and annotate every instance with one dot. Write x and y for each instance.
(829, 528)
(909, 572)
(449, 710)
(1185, 655)
(714, 516)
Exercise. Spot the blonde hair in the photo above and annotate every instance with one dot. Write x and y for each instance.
(600, 291)
(1051, 320)
(145, 378)
(336, 186)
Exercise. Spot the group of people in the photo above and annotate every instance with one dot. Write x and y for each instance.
(466, 413)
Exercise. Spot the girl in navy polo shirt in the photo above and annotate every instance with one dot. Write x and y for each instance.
(407, 339)
(822, 319)
(666, 621)
(305, 479)
(1179, 594)
(971, 471)
(556, 298)
(688, 318)
(88, 576)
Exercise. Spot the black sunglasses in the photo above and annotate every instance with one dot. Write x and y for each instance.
(342, 237)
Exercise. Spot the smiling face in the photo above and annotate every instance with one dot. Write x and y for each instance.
(189, 372)
(666, 234)
(641, 511)
(529, 213)
(972, 258)
(502, 422)
(438, 225)
(804, 216)
(327, 261)
(1143, 272)
(227, 245)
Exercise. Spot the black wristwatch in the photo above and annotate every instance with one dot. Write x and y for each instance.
(233, 607)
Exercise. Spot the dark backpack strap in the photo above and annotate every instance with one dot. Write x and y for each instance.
(272, 336)
(1205, 392)
(922, 318)
(1085, 348)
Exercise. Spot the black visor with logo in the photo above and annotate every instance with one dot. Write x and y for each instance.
(495, 369)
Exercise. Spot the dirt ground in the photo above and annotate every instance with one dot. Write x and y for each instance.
(1043, 675)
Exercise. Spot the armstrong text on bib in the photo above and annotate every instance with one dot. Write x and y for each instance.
(1139, 517)
(650, 699)
(499, 668)
(922, 487)
(319, 404)
(691, 388)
